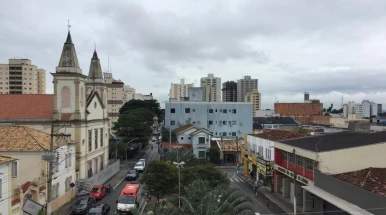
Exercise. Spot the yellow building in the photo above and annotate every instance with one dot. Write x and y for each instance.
(255, 97)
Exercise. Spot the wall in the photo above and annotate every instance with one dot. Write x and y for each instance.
(61, 200)
(200, 147)
(301, 112)
(264, 113)
(339, 122)
(186, 137)
(352, 159)
(325, 120)
(199, 116)
(6, 185)
(351, 193)
(255, 142)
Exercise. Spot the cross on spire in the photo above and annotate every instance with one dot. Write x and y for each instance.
(69, 26)
(94, 46)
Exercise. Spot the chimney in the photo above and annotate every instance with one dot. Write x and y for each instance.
(306, 96)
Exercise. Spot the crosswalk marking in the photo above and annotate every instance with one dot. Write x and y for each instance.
(235, 178)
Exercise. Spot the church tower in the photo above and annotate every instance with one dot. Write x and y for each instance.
(95, 81)
(69, 85)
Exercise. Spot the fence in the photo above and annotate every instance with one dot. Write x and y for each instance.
(86, 184)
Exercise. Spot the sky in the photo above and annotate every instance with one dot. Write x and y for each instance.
(331, 49)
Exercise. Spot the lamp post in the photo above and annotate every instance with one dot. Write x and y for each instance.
(127, 144)
(179, 164)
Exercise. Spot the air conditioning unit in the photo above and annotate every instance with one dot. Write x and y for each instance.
(239, 131)
(241, 124)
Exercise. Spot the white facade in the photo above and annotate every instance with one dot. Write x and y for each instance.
(142, 97)
(366, 108)
(211, 83)
(198, 138)
(181, 90)
(244, 86)
(129, 93)
(261, 147)
(265, 113)
(5, 186)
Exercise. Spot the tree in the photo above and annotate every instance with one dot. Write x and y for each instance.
(135, 124)
(186, 156)
(151, 105)
(160, 178)
(202, 199)
(165, 135)
(214, 155)
(207, 172)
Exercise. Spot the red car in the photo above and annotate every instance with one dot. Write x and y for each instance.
(98, 191)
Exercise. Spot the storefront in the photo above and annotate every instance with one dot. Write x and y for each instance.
(265, 171)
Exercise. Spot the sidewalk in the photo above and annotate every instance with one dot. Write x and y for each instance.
(281, 202)
(114, 181)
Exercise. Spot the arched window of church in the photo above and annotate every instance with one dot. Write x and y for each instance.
(81, 96)
(66, 97)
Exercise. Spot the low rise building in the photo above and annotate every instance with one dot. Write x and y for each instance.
(220, 118)
(7, 205)
(272, 122)
(198, 138)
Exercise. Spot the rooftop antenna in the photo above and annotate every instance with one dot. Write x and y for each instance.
(94, 46)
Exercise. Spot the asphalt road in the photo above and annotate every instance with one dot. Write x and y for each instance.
(261, 202)
(113, 197)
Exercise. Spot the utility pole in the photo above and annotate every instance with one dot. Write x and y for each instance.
(237, 149)
(295, 164)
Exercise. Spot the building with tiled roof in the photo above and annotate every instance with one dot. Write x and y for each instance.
(22, 138)
(342, 154)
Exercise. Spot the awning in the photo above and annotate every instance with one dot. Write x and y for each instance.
(338, 202)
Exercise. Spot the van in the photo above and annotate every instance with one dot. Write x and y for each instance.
(128, 198)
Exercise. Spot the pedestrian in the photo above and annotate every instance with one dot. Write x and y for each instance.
(151, 147)
(251, 174)
(255, 186)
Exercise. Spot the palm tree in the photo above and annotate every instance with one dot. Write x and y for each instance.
(202, 200)
(159, 209)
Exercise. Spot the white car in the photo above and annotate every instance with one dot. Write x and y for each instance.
(140, 166)
(143, 161)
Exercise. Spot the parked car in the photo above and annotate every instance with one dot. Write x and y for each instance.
(132, 174)
(101, 209)
(82, 204)
(143, 161)
(98, 191)
(139, 166)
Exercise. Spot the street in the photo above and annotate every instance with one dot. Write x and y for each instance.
(113, 197)
(261, 204)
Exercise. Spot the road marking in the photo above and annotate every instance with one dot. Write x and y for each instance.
(231, 179)
(237, 180)
(118, 183)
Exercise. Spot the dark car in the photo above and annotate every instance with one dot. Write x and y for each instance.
(82, 204)
(102, 209)
(132, 174)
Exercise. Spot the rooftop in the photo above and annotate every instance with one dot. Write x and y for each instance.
(26, 106)
(183, 128)
(22, 138)
(336, 141)
(5, 159)
(165, 145)
(371, 179)
(216, 103)
(278, 135)
(274, 120)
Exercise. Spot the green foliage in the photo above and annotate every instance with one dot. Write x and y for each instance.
(165, 135)
(207, 172)
(160, 178)
(214, 155)
(135, 124)
(186, 156)
(151, 105)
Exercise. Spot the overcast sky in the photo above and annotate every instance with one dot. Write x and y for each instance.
(329, 48)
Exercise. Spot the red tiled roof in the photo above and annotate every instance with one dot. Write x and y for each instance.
(278, 135)
(26, 106)
(42, 188)
(166, 145)
(200, 130)
(24, 187)
(183, 128)
(230, 145)
(23, 138)
(371, 179)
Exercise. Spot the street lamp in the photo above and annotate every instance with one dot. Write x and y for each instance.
(127, 145)
(179, 164)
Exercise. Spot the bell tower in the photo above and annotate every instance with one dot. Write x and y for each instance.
(69, 85)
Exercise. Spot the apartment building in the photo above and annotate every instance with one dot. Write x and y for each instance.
(139, 96)
(366, 108)
(244, 86)
(229, 91)
(211, 88)
(255, 98)
(220, 118)
(20, 76)
(195, 94)
(181, 90)
(128, 93)
(115, 97)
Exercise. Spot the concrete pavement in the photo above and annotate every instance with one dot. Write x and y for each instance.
(261, 203)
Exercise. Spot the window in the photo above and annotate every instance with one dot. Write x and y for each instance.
(1, 188)
(182, 138)
(14, 169)
(268, 154)
(309, 164)
(233, 133)
(233, 110)
(210, 110)
(189, 138)
(201, 154)
(101, 163)
(69, 159)
(210, 122)
(224, 110)
(172, 122)
(66, 97)
(291, 158)
(187, 110)
(233, 122)
(89, 140)
(96, 138)
(224, 122)
(224, 134)
(172, 110)
(101, 137)
(201, 140)
(300, 161)
(66, 160)
(261, 151)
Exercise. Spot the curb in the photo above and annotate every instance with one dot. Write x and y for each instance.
(285, 209)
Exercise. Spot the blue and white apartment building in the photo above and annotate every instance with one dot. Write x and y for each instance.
(225, 119)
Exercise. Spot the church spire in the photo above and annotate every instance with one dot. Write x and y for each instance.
(95, 71)
(69, 57)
